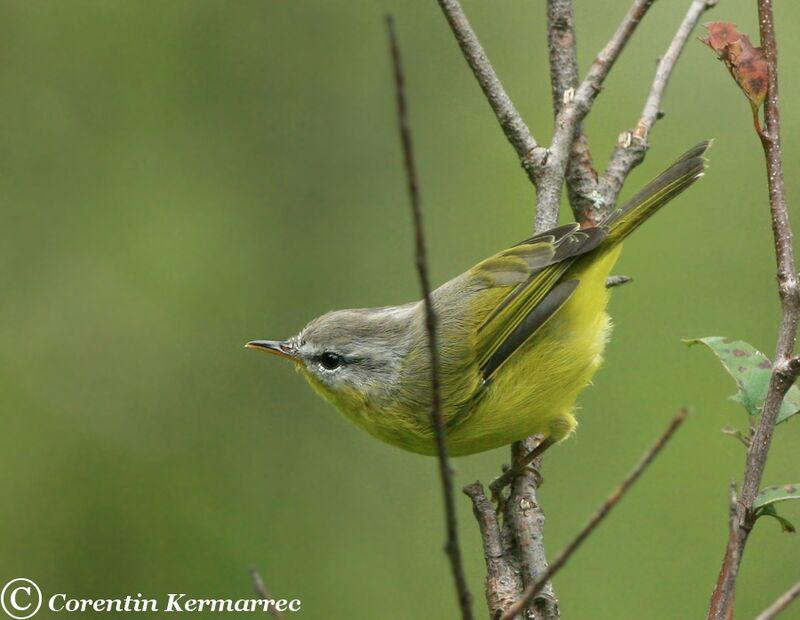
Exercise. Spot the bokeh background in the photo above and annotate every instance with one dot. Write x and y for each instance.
(178, 178)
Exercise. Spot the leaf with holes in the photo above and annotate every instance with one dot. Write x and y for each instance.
(751, 370)
(780, 493)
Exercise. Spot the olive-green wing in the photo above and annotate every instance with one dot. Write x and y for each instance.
(532, 271)
(529, 325)
(537, 293)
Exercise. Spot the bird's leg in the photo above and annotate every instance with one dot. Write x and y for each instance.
(498, 484)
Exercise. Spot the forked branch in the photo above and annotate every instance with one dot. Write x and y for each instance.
(632, 145)
(581, 176)
(565, 159)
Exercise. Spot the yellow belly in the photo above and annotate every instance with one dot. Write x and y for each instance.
(536, 389)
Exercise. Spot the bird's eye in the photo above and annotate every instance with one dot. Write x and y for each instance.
(330, 361)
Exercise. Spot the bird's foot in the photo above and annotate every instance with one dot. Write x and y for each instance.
(522, 466)
(507, 477)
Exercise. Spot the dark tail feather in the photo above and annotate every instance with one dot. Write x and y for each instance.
(686, 170)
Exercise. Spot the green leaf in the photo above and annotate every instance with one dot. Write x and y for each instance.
(751, 370)
(780, 493)
(770, 511)
(765, 501)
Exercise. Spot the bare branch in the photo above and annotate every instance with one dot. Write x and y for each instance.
(724, 589)
(593, 83)
(612, 500)
(784, 371)
(632, 145)
(512, 124)
(666, 65)
(783, 601)
(263, 593)
(503, 582)
(561, 45)
(525, 517)
(568, 122)
(580, 176)
(452, 547)
(566, 158)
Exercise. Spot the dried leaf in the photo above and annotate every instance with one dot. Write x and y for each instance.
(720, 34)
(747, 64)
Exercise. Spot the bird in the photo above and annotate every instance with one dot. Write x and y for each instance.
(519, 336)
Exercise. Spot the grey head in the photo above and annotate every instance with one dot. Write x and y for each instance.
(352, 354)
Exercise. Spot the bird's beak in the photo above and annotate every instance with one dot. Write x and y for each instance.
(276, 347)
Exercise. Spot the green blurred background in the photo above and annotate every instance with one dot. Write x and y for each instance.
(182, 176)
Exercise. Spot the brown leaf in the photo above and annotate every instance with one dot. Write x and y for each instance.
(720, 34)
(746, 63)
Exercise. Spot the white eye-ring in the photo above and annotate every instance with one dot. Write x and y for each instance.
(330, 361)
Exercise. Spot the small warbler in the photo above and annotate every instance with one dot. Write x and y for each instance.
(520, 334)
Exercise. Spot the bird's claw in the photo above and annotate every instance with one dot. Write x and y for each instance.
(498, 485)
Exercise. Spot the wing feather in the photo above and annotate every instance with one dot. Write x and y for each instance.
(533, 299)
(538, 316)
(527, 279)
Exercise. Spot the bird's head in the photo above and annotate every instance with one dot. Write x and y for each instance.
(352, 357)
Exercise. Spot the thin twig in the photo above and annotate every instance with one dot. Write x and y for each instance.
(511, 122)
(784, 371)
(452, 547)
(263, 593)
(606, 507)
(666, 65)
(632, 145)
(593, 82)
(782, 602)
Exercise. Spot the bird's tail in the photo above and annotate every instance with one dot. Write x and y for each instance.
(686, 170)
